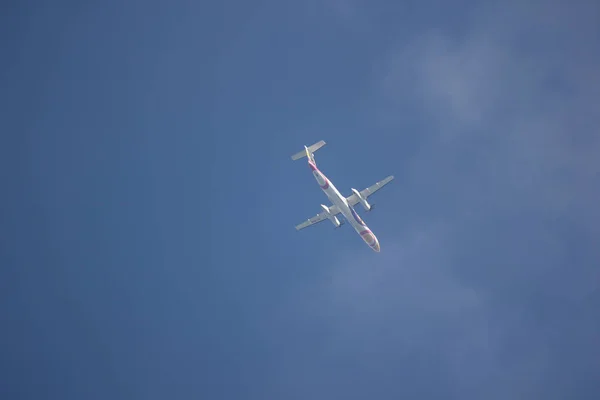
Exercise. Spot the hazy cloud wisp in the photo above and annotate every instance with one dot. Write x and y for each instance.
(498, 289)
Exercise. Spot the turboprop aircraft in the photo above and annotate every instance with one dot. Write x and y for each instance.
(341, 205)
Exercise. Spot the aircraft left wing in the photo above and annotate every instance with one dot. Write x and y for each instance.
(333, 210)
(354, 200)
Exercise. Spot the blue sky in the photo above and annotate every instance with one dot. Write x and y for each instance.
(148, 249)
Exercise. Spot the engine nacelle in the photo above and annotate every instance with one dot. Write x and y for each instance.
(363, 201)
(334, 219)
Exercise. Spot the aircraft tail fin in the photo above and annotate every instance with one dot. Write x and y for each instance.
(308, 151)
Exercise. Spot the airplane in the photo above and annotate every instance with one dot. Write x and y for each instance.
(341, 205)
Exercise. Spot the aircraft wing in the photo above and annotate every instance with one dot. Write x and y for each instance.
(318, 218)
(353, 200)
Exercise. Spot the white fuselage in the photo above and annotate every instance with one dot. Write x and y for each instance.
(346, 210)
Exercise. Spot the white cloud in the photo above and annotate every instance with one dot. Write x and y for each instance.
(525, 115)
(513, 162)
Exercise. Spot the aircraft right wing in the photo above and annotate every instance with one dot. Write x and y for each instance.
(318, 218)
(354, 200)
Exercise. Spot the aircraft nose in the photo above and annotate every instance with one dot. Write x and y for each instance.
(376, 246)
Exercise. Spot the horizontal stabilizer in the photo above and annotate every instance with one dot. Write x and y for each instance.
(311, 150)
